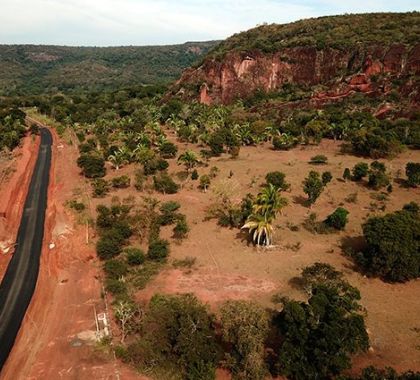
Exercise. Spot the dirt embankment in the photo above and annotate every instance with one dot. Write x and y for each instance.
(13, 190)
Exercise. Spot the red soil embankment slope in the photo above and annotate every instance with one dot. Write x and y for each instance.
(13, 194)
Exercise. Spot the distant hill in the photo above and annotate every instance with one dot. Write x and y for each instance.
(30, 69)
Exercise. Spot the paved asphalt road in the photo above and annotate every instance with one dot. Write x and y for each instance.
(19, 282)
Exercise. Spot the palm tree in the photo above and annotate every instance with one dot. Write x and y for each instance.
(265, 209)
(119, 158)
(260, 226)
(189, 159)
(269, 202)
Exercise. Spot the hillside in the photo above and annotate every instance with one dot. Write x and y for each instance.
(327, 57)
(38, 69)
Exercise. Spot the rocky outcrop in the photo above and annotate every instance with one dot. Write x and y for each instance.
(343, 72)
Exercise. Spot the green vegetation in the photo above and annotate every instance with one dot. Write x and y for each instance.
(338, 32)
(338, 219)
(313, 186)
(12, 128)
(39, 69)
(412, 171)
(393, 248)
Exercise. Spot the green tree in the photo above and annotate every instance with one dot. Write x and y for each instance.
(313, 186)
(278, 180)
(412, 170)
(393, 246)
(360, 170)
(92, 166)
(245, 328)
(338, 219)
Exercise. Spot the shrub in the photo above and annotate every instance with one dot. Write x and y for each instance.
(139, 179)
(116, 287)
(92, 166)
(284, 142)
(216, 143)
(346, 174)
(412, 171)
(245, 328)
(77, 206)
(377, 176)
(204, 182)
(165, 184)
(326, 178)
(319, 159)
(393, 246)
(181, 228)
(121, 182)
(313, 186)
(338, 219)
(134, 256)
(100, 187)
(277, 179)
(158, 250)
(168, 150)
(107, 248)
(154, 165)
(194, 175)
(168, 212)
(360, 170)
(115, 268)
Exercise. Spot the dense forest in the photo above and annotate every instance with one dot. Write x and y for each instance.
(31, 69)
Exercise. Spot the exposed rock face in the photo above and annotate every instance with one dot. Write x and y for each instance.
(344, 72)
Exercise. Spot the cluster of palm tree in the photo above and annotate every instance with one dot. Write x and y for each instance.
(268, 204)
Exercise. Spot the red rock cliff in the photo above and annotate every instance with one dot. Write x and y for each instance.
(238, 75)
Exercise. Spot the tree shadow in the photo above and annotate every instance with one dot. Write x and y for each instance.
(244, 237)
(296, 283)
(299, 199)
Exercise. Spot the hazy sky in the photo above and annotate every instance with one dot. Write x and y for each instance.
(149, 22)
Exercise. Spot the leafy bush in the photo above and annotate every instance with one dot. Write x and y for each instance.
(168, 213)
(121, 182)
(338, 219)
(115, 268)
(284, 142)
(326, 178)
(372, 373)
(139, 179)
(168, 150)
(216, 143)
(116, 287)
(360, 170)
(77, 206)
(278, 180)
(194, 175)
(100, 187)
(181, 228)
(92, 166)
(155, 165)
(346, 174)
(204, 182)
(313, 186)
(393, 246)
(107, 248)
(319, 159)
(412, 170)
(165, 184)
(158, 250)
(134, 256)
(377, 176)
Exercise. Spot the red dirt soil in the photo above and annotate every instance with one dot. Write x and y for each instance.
(13, 194)
(53, 342)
